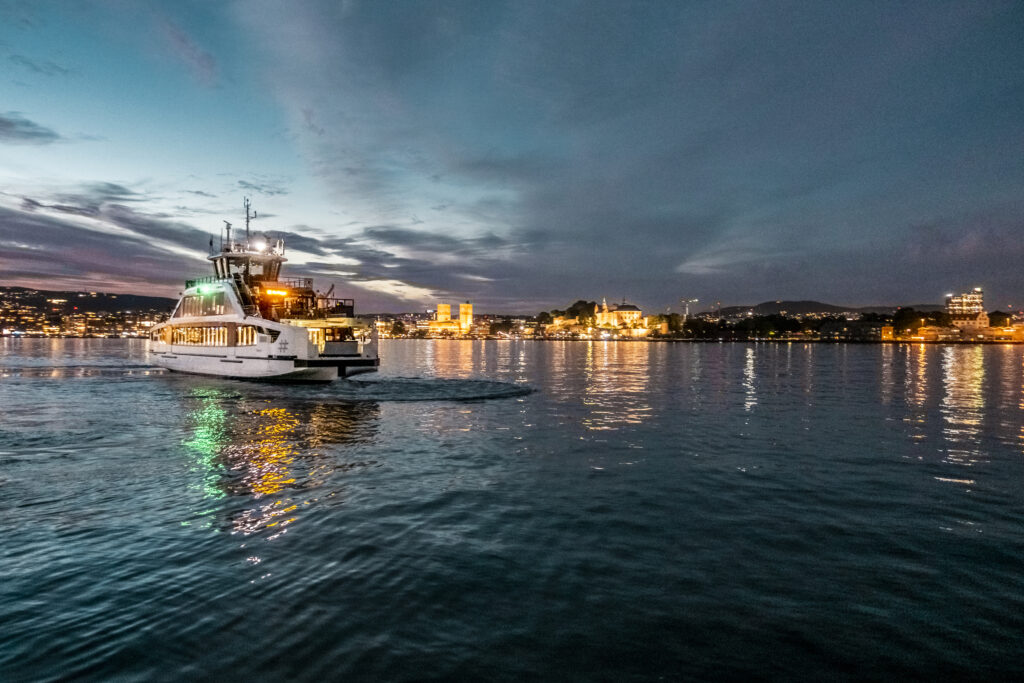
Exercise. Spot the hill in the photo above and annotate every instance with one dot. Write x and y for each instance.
(84, 302)
(812, 307)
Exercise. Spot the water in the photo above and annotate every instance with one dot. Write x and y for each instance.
(515, 510)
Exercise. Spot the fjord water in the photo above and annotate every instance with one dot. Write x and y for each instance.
(509, 510)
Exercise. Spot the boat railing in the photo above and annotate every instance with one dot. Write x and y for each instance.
(210, 279)
(328, 308)
(297, 282)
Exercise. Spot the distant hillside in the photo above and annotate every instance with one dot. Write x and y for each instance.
(86, 302)
(810, 307)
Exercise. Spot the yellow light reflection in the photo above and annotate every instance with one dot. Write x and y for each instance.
(616, 376)
(272, 453)
(1021, 404)
(887, 383)
(963, 371)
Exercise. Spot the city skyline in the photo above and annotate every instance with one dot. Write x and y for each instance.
(520, 154)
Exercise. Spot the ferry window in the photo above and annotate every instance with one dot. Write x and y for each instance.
(212, 304)
(183, 307)
(203, 304)
(336, 334)
(200, 336)
(273, 334)
(246, 335)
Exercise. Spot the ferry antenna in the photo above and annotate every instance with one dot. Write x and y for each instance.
(247, 204)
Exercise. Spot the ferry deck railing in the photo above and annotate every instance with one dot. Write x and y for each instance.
(297, 282)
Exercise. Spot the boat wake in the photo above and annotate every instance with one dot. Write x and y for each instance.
(388, 389)
(425, 389)
(399, 389)
(64, 371)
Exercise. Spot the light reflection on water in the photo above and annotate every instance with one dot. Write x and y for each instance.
(963, 405)
(749, 381)
(269, 451)
(615, 383)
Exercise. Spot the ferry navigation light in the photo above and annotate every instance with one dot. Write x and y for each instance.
(259, 245)
(277, 292)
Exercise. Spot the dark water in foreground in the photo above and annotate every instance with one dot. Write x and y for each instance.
(648, 511)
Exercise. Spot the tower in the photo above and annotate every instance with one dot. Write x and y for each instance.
(466, 316)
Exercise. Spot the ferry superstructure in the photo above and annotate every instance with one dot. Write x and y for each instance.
(247, 322)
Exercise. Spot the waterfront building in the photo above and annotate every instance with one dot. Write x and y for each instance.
(968, 303)
(443, 323)
(618, 316)
(967, 311)
(465, 317)
(622, 320)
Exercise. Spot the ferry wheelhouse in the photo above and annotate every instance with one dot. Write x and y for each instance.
(247, 322)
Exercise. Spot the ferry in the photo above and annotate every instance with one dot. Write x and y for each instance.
(247, 322)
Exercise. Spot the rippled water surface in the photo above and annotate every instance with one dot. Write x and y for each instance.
(515, 510)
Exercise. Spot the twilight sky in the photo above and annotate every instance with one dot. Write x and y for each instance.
(521, 155)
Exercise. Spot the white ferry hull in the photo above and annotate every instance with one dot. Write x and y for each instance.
(287, 369)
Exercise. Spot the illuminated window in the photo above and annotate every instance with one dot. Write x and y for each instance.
(202, 304)
(200, 336)
(246, 335)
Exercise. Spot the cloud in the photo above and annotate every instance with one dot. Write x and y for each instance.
(201, 62)
(44, 68)
(647, 148)
(524, 152)
(265, 188)
(16, 129)
(120, 261)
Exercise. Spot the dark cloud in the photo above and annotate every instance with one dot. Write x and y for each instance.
(109, 204)
(719, 150)
(16, 129)
(203, 65)
(44, 250)
(265, 188)
(44, 68)
(90, 199)
(430, 241)
(524, 152)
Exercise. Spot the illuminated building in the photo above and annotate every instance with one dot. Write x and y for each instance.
(622, 320)
(967, 311)
(444, 324)
(622, 315)
(968, 303)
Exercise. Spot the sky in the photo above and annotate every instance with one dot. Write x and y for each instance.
(521, 155)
